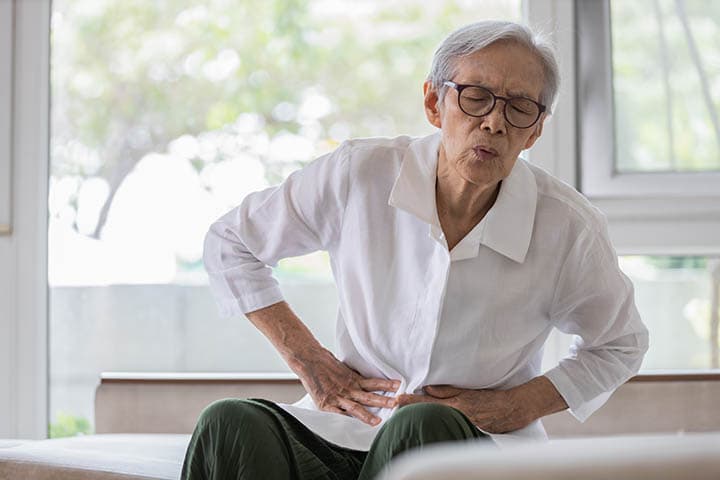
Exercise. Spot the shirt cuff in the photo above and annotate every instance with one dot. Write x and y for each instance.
(580, 408)
(249, 302)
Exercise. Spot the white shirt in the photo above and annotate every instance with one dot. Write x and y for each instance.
(475, 317)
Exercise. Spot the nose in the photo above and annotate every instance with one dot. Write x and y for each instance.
(494, 122)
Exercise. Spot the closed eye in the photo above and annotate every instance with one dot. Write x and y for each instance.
(520, 110)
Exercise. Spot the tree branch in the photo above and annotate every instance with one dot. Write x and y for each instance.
(695, 54)
(666, 65)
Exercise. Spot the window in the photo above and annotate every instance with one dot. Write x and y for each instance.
(648, 75)
(650, 93)
(667, 86)
(678, 300)
(164, 116)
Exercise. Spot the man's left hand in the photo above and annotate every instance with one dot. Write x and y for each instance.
(494, 411)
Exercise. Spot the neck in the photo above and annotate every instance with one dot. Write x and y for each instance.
(462, 201)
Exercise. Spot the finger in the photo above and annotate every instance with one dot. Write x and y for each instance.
(408, 399)
(358, 411)
(335, 410)
(372, 399)
(442, 391)
(381, 384)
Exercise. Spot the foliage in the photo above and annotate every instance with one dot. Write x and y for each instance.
(68, 425)
(130, 76)
(670, 262)
(667, 101)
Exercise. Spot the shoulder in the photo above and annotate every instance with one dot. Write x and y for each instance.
(373, 158)
(566, 206)
(376, 147)
(358, 153)
(356, 162)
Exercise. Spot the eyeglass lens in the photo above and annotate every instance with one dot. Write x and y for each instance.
(519, 111)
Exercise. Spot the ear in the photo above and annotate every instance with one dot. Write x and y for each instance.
(432, 107)
(537, 131)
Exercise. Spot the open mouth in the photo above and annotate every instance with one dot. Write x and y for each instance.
(484, 153)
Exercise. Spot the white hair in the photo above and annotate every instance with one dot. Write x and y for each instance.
(476, 36)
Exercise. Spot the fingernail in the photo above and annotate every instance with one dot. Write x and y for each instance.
(375, 421)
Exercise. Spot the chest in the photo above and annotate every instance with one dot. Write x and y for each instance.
(455, 229)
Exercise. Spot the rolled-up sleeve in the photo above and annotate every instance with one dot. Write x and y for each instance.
(302, 215)
(594, 301)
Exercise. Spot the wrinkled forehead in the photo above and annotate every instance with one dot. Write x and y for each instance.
(506, 67)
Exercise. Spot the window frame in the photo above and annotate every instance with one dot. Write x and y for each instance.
(6, 61)
(23, 253)
(600, 178)
(674, 213)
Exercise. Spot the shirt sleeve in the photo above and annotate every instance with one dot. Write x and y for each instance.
(302, 215)
(594, 301)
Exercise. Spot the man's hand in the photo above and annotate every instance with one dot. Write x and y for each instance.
(494, 411)
(334, 387)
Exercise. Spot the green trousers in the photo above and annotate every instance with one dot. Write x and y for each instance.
(258, 440)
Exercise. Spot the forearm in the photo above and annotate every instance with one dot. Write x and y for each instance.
(288, 334)
(333, 386)
(538, 398)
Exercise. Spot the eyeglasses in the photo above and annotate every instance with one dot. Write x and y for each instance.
(520, 112)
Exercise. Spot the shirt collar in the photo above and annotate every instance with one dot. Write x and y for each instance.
(414, 188)
(507, 227)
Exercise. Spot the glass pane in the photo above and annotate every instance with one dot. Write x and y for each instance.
(666, 80)
(164, 116)
(674, 296)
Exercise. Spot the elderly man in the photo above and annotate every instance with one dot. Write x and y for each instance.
(454, 259)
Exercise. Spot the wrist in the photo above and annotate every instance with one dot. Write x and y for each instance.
(522, 405)
(301, 358)
(537, 398)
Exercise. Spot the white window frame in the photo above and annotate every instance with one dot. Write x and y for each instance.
(23, 253)
(6, 60)
(648, 213)
(555, 150)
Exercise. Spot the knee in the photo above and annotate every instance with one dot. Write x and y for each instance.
(233, 413)
(426, 413)
(237, 438)
(425, 417)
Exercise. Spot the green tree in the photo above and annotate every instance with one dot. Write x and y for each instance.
(68, 425)
(130, 76)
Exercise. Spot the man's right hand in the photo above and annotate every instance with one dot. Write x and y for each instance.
(334, 387)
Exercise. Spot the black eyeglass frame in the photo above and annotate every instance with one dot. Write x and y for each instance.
(460, 87)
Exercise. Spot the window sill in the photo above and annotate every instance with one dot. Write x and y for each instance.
(289, 378)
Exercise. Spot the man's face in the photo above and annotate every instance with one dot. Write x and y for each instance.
(483, 150)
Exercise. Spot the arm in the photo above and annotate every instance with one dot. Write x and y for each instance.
(538, 398)
(302, 215)
(594, 301)
(333, 386)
